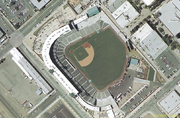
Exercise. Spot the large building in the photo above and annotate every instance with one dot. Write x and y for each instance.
(170, 16)
(125, 14)
(171, 104)
(149, 41)
(39, 3)
(29, 70)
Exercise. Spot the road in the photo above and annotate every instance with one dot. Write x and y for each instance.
(53, 82)
(40, 16)
(159, 95)
(8, 106)
(42, 106)
(4, 24)
(26, 28)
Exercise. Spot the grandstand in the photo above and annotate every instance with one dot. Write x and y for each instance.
(86, 91)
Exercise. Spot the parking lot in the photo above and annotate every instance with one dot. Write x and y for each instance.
(167, 63)
(58, 111)
(17, 11)
(20, 89)
(141, 95)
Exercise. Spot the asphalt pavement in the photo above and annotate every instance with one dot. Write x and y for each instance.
(6, 26)
(43, 106)
(40, 16)
(8, 106)
(158, 96)
(53, 82)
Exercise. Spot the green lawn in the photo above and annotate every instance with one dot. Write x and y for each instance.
(151, 74)
(80, 53)
(109, 58)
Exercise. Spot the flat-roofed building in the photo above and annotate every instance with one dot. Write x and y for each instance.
(148, 2)
(93, 11)
(125, 14)
(39, 3)
(29, 70)
(149, 41)
(170, 16)
(134, 61)
(78, 9)
(171, 104)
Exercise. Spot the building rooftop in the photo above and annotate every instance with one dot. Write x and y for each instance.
(38, 92)
(78, 8)
(39, 4)
(134, 61)
(149, 41)
(148, 2)
(29, 70)
(48, 62)
(125, 14)
(171, 104)
(170, 16)
(93, 11)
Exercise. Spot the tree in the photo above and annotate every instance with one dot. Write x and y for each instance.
(51, 71)
(72, 95)
(178, 35)
(175, 45)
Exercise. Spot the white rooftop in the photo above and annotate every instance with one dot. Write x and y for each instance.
(48, 62)
(171, 104)
(170, 16)
(123, 8)
(80, 19)
(90, 107)
(148, 2)
(125, 14)
(110, 114)
(149, 41)
(29, 70)
(40, 4)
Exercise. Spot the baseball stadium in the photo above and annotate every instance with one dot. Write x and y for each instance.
(86, 61)
(100, 57)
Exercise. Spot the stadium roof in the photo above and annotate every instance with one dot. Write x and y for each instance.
(148, 2)
(80, 19)
(48, 62)
(170, 16)
(171, 104)
(40, 4)
(93, 11)
(149, 41)
(93, 108)
(134, 61)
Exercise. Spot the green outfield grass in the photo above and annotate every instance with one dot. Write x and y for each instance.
(109, 58)
(80, 53)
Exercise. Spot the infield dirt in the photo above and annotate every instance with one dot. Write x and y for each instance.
(109, 62)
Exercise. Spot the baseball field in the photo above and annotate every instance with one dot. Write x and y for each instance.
(101, 57)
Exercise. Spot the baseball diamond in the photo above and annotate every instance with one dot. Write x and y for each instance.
(108, 57)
